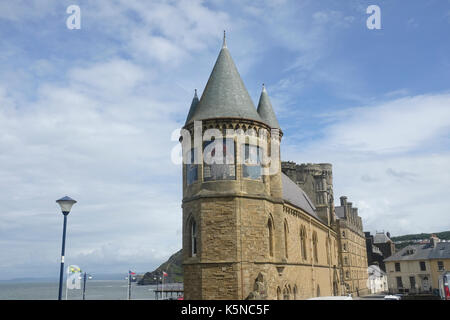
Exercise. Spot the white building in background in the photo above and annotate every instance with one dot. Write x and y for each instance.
(377, 280)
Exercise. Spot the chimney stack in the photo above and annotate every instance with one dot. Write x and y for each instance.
(434, 240)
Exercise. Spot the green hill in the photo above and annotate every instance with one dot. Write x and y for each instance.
(420, 236)
(173, 267)
(403, 241)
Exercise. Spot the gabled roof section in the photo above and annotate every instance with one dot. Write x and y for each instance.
(422, 252)
(225, 95)
(381, 237)
(265, 110)
(293, 194)
(441, 251)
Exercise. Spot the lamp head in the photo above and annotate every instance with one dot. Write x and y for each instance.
(66, 204)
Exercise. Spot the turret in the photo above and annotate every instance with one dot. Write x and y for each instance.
(193, 106)
(265, 110)
(228, 190)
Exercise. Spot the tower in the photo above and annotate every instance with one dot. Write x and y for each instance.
(317, 181)
(232, 193)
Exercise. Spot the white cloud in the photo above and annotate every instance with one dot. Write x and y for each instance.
(385, 159)
(103, 139)
(26, 9)
(116, 76)
(394, 127)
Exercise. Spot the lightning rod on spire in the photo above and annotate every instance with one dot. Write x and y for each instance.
(224, 39)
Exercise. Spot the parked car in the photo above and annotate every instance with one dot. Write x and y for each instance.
(444, 290)
(393, 297)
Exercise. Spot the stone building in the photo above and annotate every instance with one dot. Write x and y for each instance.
(352, 248)
(317, 182)
(374, 254)
(384, 243)
(379, 247)
(249, 231)
(416, 268)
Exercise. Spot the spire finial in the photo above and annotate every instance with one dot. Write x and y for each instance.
(195, 94)
(264, 88)
(224, 45)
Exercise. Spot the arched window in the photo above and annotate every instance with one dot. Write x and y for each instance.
(335, 289)
(286, 293)
(193, 237)
(315, 252)
(318, 290)
(328, 245)
(303, 242)
(270, 228)
(278, 293)
(286, 231)
(335, 248)
(295, 292)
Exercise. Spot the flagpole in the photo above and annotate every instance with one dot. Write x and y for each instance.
(129, 285)
(162, 290)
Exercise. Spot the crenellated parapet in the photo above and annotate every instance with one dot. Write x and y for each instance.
(316, 179)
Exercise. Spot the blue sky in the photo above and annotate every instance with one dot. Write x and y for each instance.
(91, 112)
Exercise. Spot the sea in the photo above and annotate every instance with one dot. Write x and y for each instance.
(95, 290)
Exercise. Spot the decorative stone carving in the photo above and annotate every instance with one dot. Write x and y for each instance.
(259, 289)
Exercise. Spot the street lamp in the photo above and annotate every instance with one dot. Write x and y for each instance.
(85, 277)
(66, 204)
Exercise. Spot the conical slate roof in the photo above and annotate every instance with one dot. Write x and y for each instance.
(265, 110)
(193, 105)
(225, 95)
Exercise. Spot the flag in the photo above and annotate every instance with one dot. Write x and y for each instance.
(131, 272)
(73, 269)
(165, 274)
(73, 277)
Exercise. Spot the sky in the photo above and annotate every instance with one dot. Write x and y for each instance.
(91, 113)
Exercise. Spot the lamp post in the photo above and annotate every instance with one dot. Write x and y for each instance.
(85, 277)
(66, 204)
